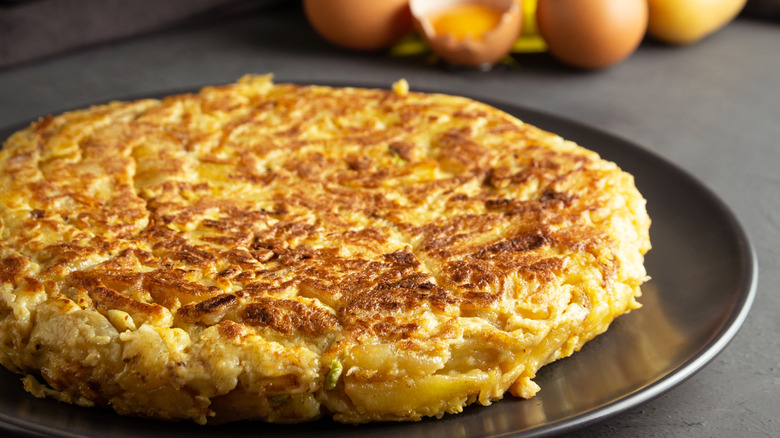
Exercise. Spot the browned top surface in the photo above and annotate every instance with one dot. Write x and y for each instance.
(303, 210)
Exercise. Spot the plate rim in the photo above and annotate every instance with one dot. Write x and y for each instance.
(717, 340)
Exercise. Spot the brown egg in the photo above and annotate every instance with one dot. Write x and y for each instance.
(474, 33)
(592, 34)
(360, 24)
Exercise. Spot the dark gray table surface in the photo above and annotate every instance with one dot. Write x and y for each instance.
(713, 108)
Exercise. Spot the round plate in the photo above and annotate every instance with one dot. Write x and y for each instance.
(703, 271)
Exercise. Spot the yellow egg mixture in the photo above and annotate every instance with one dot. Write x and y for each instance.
(282, 252)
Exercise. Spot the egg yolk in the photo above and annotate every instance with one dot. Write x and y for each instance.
(466, 21)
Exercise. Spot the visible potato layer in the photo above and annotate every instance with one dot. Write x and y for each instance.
(280, 252)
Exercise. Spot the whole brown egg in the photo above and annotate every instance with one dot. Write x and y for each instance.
(592, 34)
(360, 24)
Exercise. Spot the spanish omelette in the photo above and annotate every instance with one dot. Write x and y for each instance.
(282, 252)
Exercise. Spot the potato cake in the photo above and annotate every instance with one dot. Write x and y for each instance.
(282, 252)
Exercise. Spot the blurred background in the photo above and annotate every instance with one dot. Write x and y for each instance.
(34, 29)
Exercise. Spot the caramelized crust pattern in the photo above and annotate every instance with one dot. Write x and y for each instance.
(281, 252)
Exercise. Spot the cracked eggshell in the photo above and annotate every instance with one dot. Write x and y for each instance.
(480, 52)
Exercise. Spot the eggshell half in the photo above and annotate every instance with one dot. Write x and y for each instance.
(481, 52)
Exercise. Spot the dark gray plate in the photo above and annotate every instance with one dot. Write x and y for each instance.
(704, 275)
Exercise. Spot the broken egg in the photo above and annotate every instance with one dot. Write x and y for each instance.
(473, 33)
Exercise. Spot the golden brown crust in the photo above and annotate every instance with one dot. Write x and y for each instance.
(283, 251)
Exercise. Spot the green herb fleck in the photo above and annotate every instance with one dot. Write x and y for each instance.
(334, 374)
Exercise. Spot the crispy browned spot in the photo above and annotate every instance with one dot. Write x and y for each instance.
(107, 299)
(12, 267)
(288, 316)
(220, 303)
